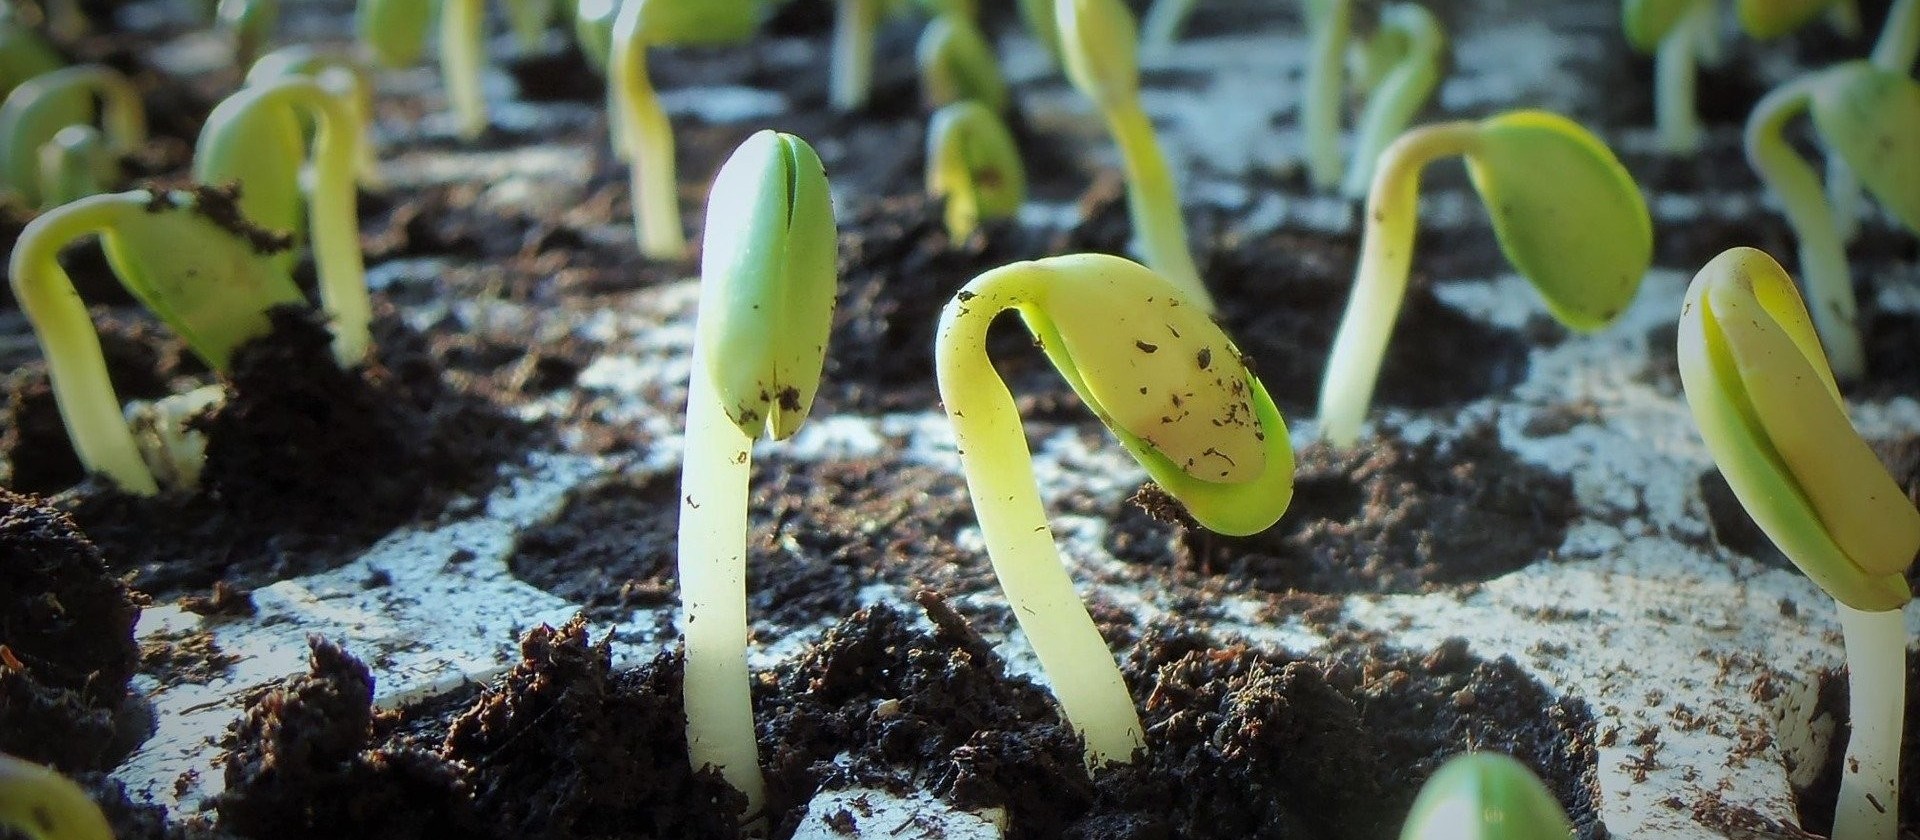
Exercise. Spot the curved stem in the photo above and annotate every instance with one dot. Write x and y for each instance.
(1013, 522)
(1153, 203)
(1674, 68)
(1380, 284)
(1899, 41)
(648, 136)
(1845, 196)
(462, 58)
(1869, 804)
(714, 472)
(75, 365)
(850, 79)
(123, 116)
(1823, 257)
(1330, 22)
(1399, 96)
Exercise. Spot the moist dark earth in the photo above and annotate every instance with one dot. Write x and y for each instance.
(309, 465)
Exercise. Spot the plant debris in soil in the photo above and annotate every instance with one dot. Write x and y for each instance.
(306, 463)
(67, 651)
(1385, 516)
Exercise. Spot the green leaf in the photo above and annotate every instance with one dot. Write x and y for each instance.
(1485, 796)
(259, 146)
(956, 63)
(767, 282)
(1170, 384)
(1099, 42)
(40, 803)
(1872, 119)
(24, 54)
(1774, 18)
(210, 281)
(32, 114)
(698, 21)
(1647, 22)
(1567, 214)
(395, 31)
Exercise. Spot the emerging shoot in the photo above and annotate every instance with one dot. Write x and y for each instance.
(1771, 415)
(253, 138)
(305, 60)
(186, 258)
(1329, 22)
(1167, 382)
(1870, 119)
(850, 79)
(1098, 43)
(24, 53)
(249, 23)
(1485, 796)
(40, 804)
(642, 132)
(1412, 37)
(1673, 30)
(35, 112)
(1567, 215)
(394, 31)
(957, 64)
(973, 163)
(766, 307)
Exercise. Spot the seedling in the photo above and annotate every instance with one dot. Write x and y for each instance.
(593, 30)
(1485, 796)
(529, 20)
(1567, 215)
(1169, 384)
(1673, 30)
(36, 111)
(249, 23)
(253, 138)
(1870, 119)
(1098, 43)
(850, 78)
(75, 164)
(40, 804)
(973, 162)
(1165, 19)
(766, 307)
(956, 64)
(1410, 41)
(24, 54)
(1894, 52)
(1768, 19)
(395, 31)
(305, 60)
(188, 258)
(644, 135)
(1329, 23)
(1771, 414)
(1041, 23)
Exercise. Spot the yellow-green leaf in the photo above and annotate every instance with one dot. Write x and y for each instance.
(1872, 119)
(1647, 22)
(1774, 18)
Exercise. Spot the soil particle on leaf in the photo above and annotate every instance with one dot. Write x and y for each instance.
(880, 700)
(566, 747)
(306, 463)
(66, 643)
(301, 763)
(1246, 743)
(1385, 516)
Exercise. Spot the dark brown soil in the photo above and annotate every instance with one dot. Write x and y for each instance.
(66, 644)
(307, 464)
(1385, 516)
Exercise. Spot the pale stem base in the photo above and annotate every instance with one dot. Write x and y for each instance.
(462, 59)
(648, 136)
(850, 79)
(1674, 68)
(1869, 805)
(715, 470)
(1330, 21)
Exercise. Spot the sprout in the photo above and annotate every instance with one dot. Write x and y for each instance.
(24, 54)
(1869, 118)
(250, 24)
(1673, 30)
(1040, 20)
(529, 20)
(1165, 19)
(1097, 42)
(305, 60)
(850, 80)
(41, 804)
(766, 307)
(1771, 414)
(1328, 25)
(1485, 796)
(643, 135)
(75, 164)
(1773, 18)
(187, 258)
(36, 111)
(1167, 382)
(974, 164)
(1894, 52)
(253, 138)
(593, 30)
(1410, 37)
(395, 31)
(1568, 216)
(957, 64)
